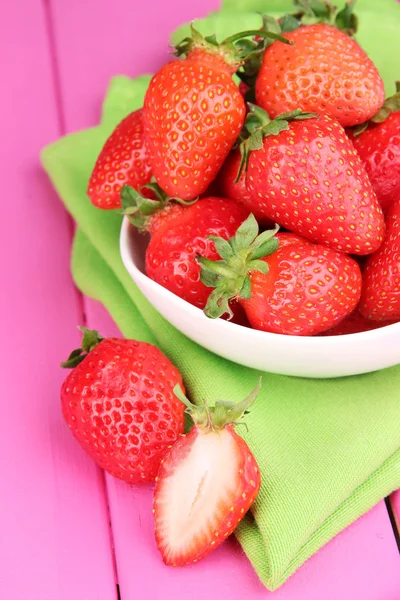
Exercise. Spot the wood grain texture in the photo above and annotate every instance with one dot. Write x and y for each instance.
(54, 541)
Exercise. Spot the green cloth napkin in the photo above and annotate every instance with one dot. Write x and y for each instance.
(328, 449)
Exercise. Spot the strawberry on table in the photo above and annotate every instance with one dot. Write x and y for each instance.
(293, 288)
(378, 144)
(206, 483)
(324, 71)
(119, 403)
(380, 298)
(304, 173)
(193, 113)
(123, 160)
(177, 234)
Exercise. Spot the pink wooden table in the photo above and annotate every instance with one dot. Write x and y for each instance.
(67, 532)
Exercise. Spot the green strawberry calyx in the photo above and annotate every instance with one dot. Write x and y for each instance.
(253, 49)
(234, 50)
(391, 104)
(310, 12)
(222, 414)
(240, 255)
(140, 209)
(90, 339)
(258, 125)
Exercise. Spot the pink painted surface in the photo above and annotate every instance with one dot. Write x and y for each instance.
(361, 562)
(55, 539)
(395, 502)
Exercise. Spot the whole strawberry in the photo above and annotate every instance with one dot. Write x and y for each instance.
(324, 71)
(285, 283)
(380, 298)
(123, 160)
(119, 404)
(304, 173)
(206, 483)
(193, 113)
(177, 234)
(378, 145)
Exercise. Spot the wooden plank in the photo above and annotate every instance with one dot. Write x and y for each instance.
(55, 538)
(361, 562)
(97, 39)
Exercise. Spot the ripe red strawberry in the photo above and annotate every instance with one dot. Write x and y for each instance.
(379, 148)
(355, 323)
(118, 402)
(178, 233)
(301, 288)
(193, 113)
(380, 299)
(228, 187)
(123, 160)
(206, 483)
(236, 190)
(306, 175)
(324, 71)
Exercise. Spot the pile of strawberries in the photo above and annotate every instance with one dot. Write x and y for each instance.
(316, 152)
(266, 204)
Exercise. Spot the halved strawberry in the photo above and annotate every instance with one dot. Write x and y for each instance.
(206, 483)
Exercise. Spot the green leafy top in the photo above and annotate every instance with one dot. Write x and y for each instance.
(235, 49)
(258, 125)
(223, 413)
(240, 255)
(254, 48)
(90, 339)
(140, 209)
(391, 104)
(310, 12)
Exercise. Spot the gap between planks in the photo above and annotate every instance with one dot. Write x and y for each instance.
(80, 299)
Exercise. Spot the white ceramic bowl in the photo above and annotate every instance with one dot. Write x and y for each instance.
(288, 355)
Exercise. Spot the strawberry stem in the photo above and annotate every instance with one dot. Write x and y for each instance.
(259, 125)
(255, 32)
(220, 415)
(240, 255)
(235, 54)
(310, 12)
(140, 209)
(90, 339)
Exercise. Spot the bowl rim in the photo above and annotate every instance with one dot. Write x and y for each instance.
(222, 324)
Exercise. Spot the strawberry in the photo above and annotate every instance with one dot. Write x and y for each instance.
(206, 483)
(304, 173)
(378, 144)
(123, 160)
(227, 186)
(380, 298)
(300, 289)
(177, 234)
(119, 404)
(355, 323)
(193, 113)
(325, 70)
(236, 190)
